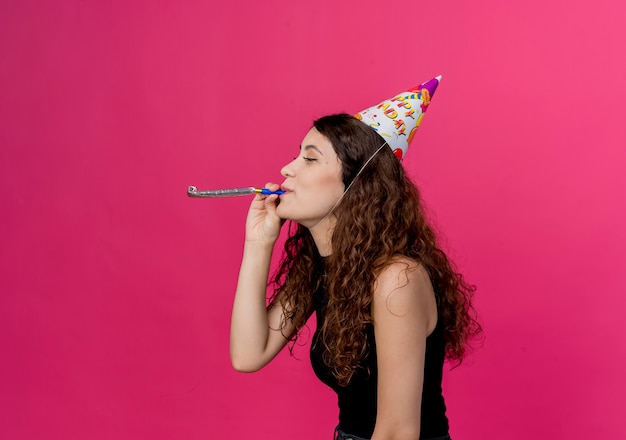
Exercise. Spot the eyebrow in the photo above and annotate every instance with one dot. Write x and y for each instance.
(312, 147)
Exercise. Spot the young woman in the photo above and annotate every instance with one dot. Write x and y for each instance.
(389, 306)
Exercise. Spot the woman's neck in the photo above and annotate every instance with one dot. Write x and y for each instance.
(322, 235)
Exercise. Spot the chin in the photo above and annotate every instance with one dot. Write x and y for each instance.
(285, 215)
(282, 214)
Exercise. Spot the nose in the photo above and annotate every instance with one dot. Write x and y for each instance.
(287, 170)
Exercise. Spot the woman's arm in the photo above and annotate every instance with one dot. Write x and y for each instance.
(404, 312)
(256, 336)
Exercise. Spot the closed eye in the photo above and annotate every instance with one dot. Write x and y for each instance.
(309, 159)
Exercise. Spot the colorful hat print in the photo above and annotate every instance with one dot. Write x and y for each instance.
(397, 119)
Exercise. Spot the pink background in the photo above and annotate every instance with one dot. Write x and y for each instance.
(116, 288)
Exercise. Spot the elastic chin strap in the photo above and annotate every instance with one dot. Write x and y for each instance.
(350, 186)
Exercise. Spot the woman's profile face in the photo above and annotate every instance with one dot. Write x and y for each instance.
(312, 182)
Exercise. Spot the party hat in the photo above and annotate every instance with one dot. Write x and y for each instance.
(397, 119)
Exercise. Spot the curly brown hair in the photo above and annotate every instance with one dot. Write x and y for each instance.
(380, 217)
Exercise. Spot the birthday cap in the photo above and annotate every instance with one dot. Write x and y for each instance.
(397, 119)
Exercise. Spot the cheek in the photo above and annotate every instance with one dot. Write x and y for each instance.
(333, 187)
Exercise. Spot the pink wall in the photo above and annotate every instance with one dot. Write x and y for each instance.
(116, 288)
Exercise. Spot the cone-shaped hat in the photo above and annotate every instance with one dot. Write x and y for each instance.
(397, 119)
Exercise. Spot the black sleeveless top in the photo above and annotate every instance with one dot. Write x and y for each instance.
(357, 401)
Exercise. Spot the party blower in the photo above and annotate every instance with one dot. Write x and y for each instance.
(231, 192)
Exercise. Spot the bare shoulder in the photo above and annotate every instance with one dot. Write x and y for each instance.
(402, 274)
(403, 288)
